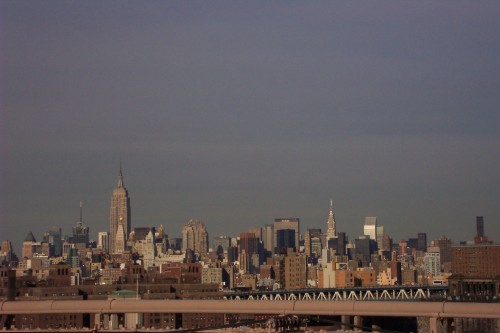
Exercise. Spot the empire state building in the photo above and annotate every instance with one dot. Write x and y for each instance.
(119, 217)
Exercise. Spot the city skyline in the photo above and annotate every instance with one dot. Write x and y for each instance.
(239, 114)
(120, 202)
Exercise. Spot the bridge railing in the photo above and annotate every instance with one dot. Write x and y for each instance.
(339, 294)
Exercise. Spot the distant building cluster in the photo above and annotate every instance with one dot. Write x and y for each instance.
(270, 257)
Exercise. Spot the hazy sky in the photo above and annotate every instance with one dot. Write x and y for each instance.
(240, 112)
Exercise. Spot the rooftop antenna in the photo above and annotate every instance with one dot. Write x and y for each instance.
(120, 177)
(81, 212)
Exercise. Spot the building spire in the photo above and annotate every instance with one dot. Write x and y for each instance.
(120, 177)
(81, 212)
(331, 231)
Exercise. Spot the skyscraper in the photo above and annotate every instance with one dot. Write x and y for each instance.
(422, 241)
(54, 237)
(480, 226)
(285, 239)
(103, 240)
(432, 262)
(221, 245)
(312, 236)
(331, 231)
(27, 250)
(119, 213)
(80, 234)
(195, 238)
(287, 224)
(370, 227)
(380, 236)
(268, 239)
(249, 245)
(444, 244)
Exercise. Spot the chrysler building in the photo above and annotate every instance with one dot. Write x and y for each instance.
(331, 232)
(119, 217)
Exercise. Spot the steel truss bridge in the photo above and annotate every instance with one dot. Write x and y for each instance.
(388, 293)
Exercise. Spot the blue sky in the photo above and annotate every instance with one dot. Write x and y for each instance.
(239, 112)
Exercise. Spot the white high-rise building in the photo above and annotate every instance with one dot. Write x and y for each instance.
(149, 250)
(370, 227)
(268, 238)
(120, 241)
(432, 262)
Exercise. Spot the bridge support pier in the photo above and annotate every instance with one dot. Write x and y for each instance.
(97, 321)
(346, 322)
(433, 325)
(113, 321)
(358, 323)
(105, 321)
(441, 325)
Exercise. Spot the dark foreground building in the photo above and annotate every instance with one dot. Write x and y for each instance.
(475, 278)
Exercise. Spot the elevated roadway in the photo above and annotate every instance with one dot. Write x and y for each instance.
(302, 307)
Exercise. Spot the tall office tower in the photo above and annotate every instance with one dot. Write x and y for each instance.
(221, 245)
(331, 231)
(444, 244)
(403, 248)
(160, 240)
(380, 236)
(119, 213)
(195, 238)
(232, 252)
(120, 239)
(285, 239)
(364, 248)
(309, 235)
(54, 238)
(316, 247)
(412, 243)
(386, 243)
(149, 250)
(27, 250)
(103, 240)
(257, 231)
(422, 241)
(6, 252)
(341, 243)
(80, 234)
(479, 226)
(268, 239)
(370, 227)
(249, 245)
(287, 224)
(432, 261)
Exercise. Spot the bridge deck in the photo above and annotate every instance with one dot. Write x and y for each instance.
(362, 308)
